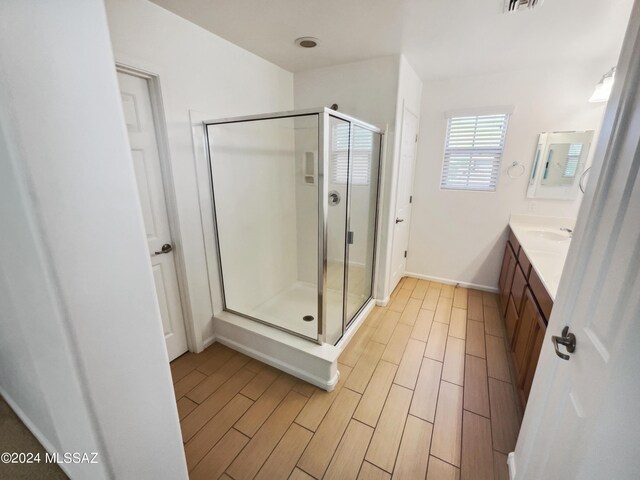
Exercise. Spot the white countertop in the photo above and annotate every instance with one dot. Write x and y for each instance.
(545, 245)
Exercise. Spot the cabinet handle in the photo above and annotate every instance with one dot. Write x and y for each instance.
(568, 340)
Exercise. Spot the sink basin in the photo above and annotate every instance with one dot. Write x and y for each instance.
(548, 235)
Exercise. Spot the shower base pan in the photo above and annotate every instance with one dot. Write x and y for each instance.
(287, 309)
(309, 361)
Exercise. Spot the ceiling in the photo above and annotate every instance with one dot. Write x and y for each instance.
(440, 38)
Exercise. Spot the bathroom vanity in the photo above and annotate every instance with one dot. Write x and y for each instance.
(534, 257)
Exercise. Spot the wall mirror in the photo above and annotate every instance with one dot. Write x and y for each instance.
(558, 163)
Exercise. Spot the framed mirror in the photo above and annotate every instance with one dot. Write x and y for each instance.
(558, 163)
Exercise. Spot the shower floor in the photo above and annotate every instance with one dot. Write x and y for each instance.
(286, 310)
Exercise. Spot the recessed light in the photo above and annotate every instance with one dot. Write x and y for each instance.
(307, 42)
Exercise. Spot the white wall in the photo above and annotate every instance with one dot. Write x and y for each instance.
(459, 236)
(365, 90)
(202, 72)
(306, 140)
(82, 352)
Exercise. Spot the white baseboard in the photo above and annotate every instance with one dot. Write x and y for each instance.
(449, 281)
(44, 441)
(511, 462)
(208, 342)
(383, 302)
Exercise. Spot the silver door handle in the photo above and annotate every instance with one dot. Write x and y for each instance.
(568, 340)
(166, 248)
(399, 220)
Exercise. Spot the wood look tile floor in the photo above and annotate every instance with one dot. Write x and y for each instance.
(425, 392)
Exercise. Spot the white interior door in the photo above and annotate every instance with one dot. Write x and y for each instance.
(136, 102)
(404, 196)
(582, 417)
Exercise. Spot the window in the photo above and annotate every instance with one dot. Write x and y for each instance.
(472, 152)
(573, 158)
(360, 155)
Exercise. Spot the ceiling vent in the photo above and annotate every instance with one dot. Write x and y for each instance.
(518, 5)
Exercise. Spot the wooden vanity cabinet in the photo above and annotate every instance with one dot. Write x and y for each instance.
(526, 306)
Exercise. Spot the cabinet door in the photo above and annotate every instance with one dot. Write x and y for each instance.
(511, 320)
(540, 330)
(506, 275)
(525, 336)
(517, 288)
(505, 266)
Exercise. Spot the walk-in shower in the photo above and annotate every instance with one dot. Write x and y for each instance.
(295, 205)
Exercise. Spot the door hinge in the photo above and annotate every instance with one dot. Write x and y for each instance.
(416, 138)
(405, 254)
(410, 198)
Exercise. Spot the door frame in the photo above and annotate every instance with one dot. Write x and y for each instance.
(166, 172)
(623, 102)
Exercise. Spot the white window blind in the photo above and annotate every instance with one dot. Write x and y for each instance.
(473, 150)
(360, 155)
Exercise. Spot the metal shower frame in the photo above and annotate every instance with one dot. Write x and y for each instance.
(324, 114)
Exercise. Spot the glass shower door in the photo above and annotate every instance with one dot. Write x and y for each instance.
(338, 175)
(363, 192)
(265, 190)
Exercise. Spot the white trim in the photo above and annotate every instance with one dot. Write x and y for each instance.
(384, 302)
(166, 171)
(448, 281)
(205, 201)
(511, 463)
(207, 342)
(35, 431)
(474, 111)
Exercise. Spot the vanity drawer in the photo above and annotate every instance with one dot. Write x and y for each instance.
(511, 320)
(540, 293)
